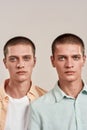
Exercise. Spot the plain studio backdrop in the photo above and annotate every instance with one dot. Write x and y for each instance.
(42, 21)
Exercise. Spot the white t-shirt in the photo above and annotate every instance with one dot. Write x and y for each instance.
(16, 118)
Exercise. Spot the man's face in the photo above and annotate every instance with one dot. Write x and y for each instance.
(68, 61)
(20, 62)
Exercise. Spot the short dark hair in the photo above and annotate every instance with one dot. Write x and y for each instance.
(18, 40)
(68, 38)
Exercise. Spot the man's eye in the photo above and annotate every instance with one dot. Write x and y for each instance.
(12, 59)
(27, 58)
(76, 57)
(61, 58)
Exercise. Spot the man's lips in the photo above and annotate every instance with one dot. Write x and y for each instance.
(21, 72)
(69, 72)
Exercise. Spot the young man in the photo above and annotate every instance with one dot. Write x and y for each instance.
(65, 106)
(17, 92)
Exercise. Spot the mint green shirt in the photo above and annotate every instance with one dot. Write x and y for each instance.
(58, 111)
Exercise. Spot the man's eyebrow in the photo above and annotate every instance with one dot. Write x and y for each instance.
(66, 54)
(18, 56)
(12, 56)
(26, 55)
(61, 55)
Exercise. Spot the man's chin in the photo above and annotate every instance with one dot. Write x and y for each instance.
(70, 79)
(22, 79)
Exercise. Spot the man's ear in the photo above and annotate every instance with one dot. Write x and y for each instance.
(5, 63)
(34, 61)
(84, 59)
(52, 60)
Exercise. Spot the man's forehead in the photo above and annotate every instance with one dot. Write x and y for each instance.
(19, 50)
(68, 49)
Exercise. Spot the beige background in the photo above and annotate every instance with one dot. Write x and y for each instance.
(42, 21)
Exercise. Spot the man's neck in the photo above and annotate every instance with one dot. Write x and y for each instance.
(71, 88)
(18, 89)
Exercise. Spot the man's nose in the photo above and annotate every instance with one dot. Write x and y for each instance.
(69, 63)
(20, 64)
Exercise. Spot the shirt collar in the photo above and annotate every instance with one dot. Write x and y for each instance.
(59, 94)
(3, 94)
(84, 90)
(32, 94)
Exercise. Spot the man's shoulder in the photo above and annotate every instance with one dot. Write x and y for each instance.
(2, 90)
(35, 92)
(40, 90)
(45, 99)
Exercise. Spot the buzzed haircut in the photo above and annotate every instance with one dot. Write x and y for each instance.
(68, 38)
(16, 41)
